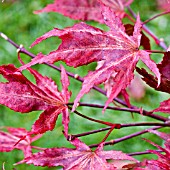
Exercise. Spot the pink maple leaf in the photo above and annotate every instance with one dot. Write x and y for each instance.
(163, 161)
(85, 9)
(17, 138)
(164, 69)
(20, 95)
(82, 157)
(164, 107)
(83, 44)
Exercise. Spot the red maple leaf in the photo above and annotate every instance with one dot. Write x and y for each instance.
(12, 140)
(85, 9)
(164, 107)
(21, 95)
(164, 69)
(82, 157)
(163, 161)
(83, 44)
(80, 10)
(117, 6)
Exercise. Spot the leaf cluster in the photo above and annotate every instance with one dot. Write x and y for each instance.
(117, 53)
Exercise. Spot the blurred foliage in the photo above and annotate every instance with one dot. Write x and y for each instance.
(19, 23)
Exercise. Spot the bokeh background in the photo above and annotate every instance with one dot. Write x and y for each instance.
(19, 23)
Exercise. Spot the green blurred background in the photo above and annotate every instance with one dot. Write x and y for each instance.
(19, 23)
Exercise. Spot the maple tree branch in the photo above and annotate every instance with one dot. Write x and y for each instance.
(133, 109)
(123, 126)
(95, 120)
(156, 16)
(109, 107)
(21, 49)
(112, 142)
(148, 31)
(142, 153)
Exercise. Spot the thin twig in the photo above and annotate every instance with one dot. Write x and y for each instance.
(108, 133)
(133, 109)
(156, 16)
(155, 51)
(109, 107)
(95, 120)
(122, 126)
(142, 153)
(113, 142)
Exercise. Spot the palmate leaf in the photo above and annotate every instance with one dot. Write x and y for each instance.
(21, 95)
(83, 44)
(164, 107)
(164, 69)
(86, 9)
(163, 161)
(9, 140)
(82, 157)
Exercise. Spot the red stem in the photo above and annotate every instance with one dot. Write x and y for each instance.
(107, 135)
(155, 51)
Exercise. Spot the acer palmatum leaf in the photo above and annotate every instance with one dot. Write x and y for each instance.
(164, 136)
(117, 6)
(164, 107)
(82, 157)
(16, 138)
(165, 75)
(145, 41)
(79, 10)
(83, 44)
(163, 161)
(86, 10)
(165, 65)
(21, 95)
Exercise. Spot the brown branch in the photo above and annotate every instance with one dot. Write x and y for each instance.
(156, 16)
(142, 153)
(95, 120)
(113, 142)
(122, 126)
(133, 109)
